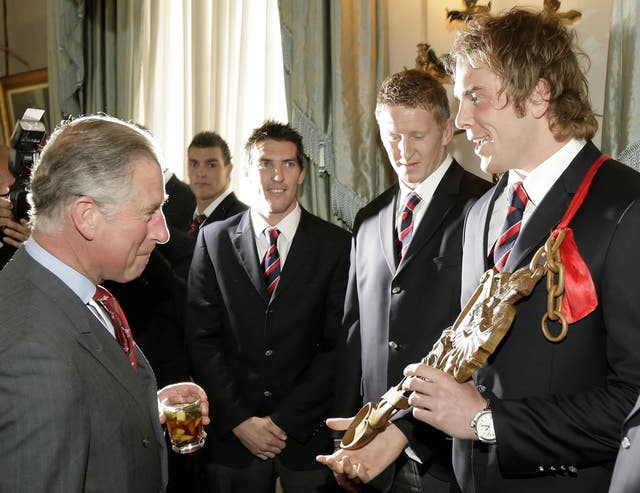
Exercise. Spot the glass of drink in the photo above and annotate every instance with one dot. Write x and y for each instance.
(184, 422)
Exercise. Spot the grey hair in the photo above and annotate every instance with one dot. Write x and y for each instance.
(88, 156)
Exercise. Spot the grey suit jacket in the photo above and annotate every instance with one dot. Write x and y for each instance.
(394, 314)
(73, 414)
(626, 474)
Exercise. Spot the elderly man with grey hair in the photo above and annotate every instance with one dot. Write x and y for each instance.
(79, 409)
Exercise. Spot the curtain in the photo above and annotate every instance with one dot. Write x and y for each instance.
(335, 58)
(211, 66)
(94, 53)
(621, 122)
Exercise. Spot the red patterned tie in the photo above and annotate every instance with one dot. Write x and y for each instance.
(511, 228)
(194, 227)
(271, 261)
(405, 228)
(119, 322)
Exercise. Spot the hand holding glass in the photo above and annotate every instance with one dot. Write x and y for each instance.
(184, 422)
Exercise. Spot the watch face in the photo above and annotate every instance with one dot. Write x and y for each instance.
(484, 427)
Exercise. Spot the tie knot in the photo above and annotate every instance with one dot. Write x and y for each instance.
(103, 295)
(517, 196)
(413, 199)
(200, 218)
(272, 235)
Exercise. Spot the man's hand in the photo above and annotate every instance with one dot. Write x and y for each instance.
(367, 462)
(261, 436)
(14, 233)
(440, 401)
(183, 388)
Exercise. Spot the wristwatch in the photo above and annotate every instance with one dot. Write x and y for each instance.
(482, 424)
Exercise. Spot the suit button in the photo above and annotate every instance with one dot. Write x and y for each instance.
(268, 352)
(146, 443)
(572, 469)
(395, 290)
(626, 443)
(266, 393)
(393, 345)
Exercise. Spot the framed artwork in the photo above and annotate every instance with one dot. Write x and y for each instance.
(19, 92)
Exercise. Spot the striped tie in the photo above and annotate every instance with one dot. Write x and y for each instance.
(194, 227)
(120, 325)
(405, 229)
(271, 260)
(511, 228)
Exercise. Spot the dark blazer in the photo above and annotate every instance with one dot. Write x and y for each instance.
(394, 315)
(626, 474)
(178, 210)
(75, 416)
(257, 356)
(558, 407)
(155, 303)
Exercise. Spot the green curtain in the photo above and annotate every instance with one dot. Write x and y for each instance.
(95, 51)
(621, 121)
(335, 58)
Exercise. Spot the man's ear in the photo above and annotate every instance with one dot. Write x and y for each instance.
(539, 100)
(85, 216)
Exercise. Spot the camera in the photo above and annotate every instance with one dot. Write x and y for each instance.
(26, 141)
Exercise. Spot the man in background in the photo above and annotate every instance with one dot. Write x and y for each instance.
(209, 167)
(266, 295)
(79, 403)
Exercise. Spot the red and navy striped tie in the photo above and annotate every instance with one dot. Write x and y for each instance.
(271, 261)
(511, 228)
(405, 229)
(194, 227)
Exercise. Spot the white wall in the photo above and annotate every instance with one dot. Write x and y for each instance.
(419, 21)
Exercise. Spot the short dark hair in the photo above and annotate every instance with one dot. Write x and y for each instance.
(272, 130)
(521, 47)
(415, 89)
(211, 139)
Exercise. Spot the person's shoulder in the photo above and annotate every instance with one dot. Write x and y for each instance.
(328, 230)
(375, 206)
(225, 226)
(472, 184)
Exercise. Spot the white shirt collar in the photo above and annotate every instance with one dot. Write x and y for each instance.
(212, 206)
(287, 226)
(542, 178)
(428, 186)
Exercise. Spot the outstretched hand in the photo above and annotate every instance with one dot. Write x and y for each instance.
(365, 463)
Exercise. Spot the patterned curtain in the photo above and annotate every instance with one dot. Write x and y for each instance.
(94, 56)
(335, 58)
(621, 122)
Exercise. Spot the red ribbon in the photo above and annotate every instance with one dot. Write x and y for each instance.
(580, 297)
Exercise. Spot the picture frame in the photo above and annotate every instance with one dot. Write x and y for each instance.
(19, 92)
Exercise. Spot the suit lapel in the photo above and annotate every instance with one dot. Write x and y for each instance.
(221, 212)
(387, 232)
(443, 199)
(243, 240)
(299, 258)
(552, 208)
(87, 330)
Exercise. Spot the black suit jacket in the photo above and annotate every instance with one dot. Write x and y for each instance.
(559, 406)
(394, 315)
(178, 209)
(257, 356)
(155, 303)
